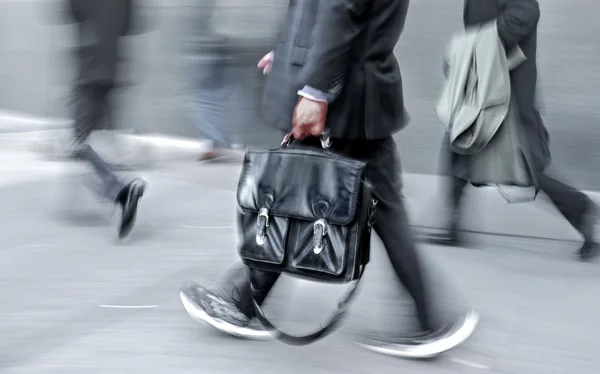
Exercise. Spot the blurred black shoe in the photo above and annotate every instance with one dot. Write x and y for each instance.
(590, 248)
(589, 251)
(129, 198)
(447, 238)
(212, 306)
(425, 345)
(451, 236)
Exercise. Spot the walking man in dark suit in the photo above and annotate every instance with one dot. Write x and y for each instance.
(100, 25)
(334, 67)
(517, 22)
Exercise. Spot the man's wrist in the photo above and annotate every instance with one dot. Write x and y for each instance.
(314, 94)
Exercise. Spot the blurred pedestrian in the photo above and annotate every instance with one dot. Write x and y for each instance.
(100, 26)
(335, 66)
(517, 23)
(224, 39)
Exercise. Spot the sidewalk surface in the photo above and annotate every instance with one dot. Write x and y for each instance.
(74, 300)
(486, 210)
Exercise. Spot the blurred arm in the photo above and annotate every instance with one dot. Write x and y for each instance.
(71, 11)
(517, 19)
(335, 35)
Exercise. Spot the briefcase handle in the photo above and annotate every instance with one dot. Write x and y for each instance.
(324, 137)
(325, 330)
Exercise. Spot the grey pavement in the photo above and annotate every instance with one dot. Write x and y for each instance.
(34, 70)
(486, 211)
(64, 275)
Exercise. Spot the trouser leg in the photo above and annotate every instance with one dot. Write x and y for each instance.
(570, 202)
(91, 103)
(392, 224)
(209, 98)
(451, 165)
(236, 284)
(457, 185)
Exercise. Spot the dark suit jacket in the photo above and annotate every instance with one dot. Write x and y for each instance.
(100, 24)
(342, 47)
(517, 22)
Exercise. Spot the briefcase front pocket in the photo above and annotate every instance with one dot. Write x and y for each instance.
(317, 245)
(313, 248)
(263, 246)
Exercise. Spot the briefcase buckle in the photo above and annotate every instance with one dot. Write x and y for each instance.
(319, 231)
(262, 222)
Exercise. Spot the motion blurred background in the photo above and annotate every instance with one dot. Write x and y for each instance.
(73, 300)
(34, 71)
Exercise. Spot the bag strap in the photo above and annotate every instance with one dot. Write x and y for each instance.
(326, 329)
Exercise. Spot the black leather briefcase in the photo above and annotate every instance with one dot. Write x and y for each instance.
(307, 212)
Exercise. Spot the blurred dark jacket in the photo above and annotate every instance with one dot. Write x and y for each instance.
(517, 22)
(344, 48)
(100, 25)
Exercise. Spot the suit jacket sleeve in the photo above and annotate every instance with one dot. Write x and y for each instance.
(517, 19)
(128, 23)
(335, 33)
(74, 11)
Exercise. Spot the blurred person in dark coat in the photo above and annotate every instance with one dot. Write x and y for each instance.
(99, 27)
(334, 65)
(517, 22)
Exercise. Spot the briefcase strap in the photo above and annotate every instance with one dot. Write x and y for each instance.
(328, 327)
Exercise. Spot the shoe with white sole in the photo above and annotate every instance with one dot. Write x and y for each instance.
(425, 345)
(211, 306)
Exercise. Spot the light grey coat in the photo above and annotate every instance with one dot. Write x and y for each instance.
(476, 96)
(480, 114)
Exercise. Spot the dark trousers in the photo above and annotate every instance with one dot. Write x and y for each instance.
(573, 204)
(391, 225)
(91, 107)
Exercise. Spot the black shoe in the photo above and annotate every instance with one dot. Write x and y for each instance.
(450, 236)
(590, 248)
(447, 238)
(128, 198)
(424, 345)
(211, 306)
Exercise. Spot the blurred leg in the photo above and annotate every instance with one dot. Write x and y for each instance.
(91, 103)
(208, 101)
(392, 224)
